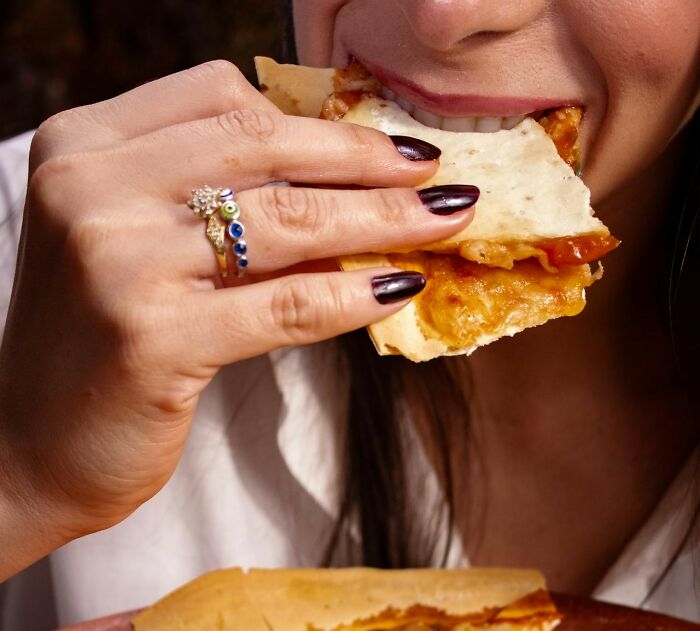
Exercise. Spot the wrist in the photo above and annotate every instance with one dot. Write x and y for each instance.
(30, 523)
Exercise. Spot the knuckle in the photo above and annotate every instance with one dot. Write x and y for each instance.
(53, 125)
(87, 239)
(138, 331)
(295, 208)
(391, 206)
(254, 124)
(221, 69)
(361, 139)
(48, 135)
(337, 302)
(227, 124)
(50, 184)
(294, 311)
(175, 396)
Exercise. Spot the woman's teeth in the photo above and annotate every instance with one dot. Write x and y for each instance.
(461, 124)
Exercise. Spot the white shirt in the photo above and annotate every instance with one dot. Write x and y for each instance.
(257, 485)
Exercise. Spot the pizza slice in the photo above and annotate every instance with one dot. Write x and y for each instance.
(357, 599)
(523, 260)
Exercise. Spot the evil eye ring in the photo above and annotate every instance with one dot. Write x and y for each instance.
(222, 213)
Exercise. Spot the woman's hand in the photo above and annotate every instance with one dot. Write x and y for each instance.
(116, 323)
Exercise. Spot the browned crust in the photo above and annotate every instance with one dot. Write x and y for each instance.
(293, 600)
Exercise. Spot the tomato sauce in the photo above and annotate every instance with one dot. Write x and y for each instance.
(577, 250)
(562, 125)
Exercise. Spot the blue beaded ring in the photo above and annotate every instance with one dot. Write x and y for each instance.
(222, 213)
(230, 212)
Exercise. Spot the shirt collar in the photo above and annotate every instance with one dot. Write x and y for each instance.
(652, 551)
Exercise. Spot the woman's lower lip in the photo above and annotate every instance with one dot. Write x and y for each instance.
(460, 105)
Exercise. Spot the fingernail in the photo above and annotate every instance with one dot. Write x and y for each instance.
(415, 149)
(397, 286)
(449, 199)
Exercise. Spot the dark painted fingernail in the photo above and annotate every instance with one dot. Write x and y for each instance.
(397, 286)
(415, 149)
(449, 199)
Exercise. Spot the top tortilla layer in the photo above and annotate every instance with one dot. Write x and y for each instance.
(528, 193)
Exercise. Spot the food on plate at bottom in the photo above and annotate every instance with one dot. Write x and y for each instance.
(357, 599)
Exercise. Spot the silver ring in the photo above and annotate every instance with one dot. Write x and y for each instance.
(216, 205)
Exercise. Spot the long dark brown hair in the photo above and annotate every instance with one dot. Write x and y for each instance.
(683, 295)
(376, 496)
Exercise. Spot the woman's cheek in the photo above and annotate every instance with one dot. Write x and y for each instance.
(646, 55)
(649, 57)
(314, 25)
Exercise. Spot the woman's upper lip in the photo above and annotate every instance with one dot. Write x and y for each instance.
(460, 104)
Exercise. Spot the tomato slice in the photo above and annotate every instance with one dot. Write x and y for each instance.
(578, 250)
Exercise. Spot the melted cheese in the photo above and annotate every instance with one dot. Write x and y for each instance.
(464, 301)
(492, 253)
(533, 611)
(551, 253)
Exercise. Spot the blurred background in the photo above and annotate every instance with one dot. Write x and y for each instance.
(56, 54)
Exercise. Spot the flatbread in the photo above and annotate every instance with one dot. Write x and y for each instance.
(296, 90)
(529, 197)
(528, 193)
(533, 297)
(334, 600)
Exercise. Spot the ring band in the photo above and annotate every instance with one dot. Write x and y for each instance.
(216, 233)
(231, 212)
(222, 213)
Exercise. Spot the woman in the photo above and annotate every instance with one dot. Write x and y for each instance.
(575, 451)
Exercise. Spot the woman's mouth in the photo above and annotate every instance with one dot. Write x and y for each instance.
(459, 112)
(453, 123)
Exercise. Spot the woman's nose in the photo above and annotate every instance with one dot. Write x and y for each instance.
(442, 24)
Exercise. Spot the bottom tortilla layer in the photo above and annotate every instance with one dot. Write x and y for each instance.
(466, 305)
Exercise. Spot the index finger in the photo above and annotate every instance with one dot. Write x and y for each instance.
(204, 91)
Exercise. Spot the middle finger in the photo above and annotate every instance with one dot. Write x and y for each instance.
(287, 225)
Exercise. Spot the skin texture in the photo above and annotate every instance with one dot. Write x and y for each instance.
(633, 65)
(125, 279)
(577, 427)
(118, 319)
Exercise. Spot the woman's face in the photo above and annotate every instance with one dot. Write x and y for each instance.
(634, 65)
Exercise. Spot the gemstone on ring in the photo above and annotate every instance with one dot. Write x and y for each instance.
(242, 262)
(235, 230)
(225, 194)
(230, 210)
(240, 248)
(204, 201)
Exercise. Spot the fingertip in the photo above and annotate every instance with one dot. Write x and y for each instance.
(395, 285)
(448, 199)
(416, 150)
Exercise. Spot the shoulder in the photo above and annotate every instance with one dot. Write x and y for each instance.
(14, 164)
